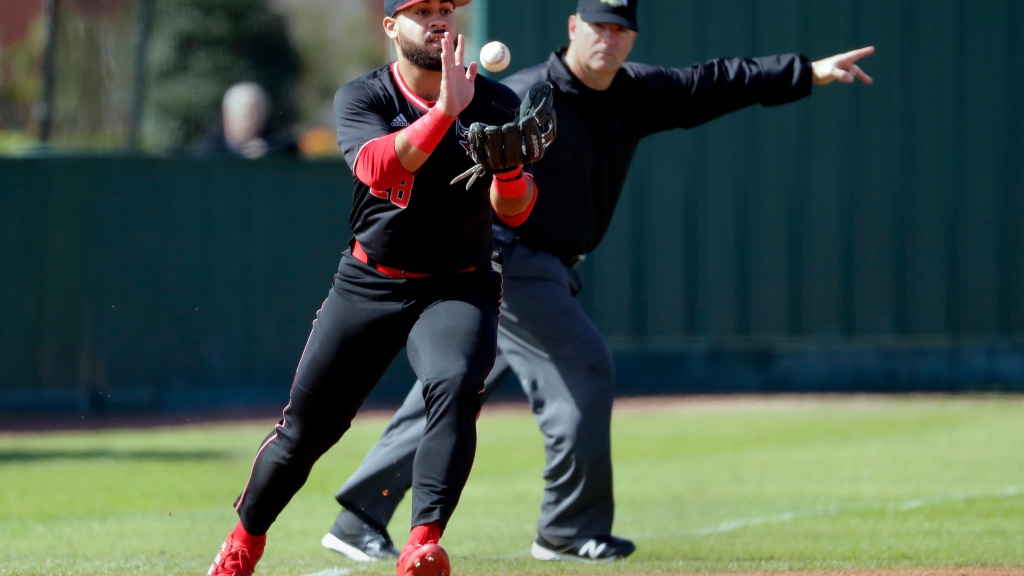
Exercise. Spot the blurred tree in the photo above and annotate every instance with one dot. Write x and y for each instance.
(90, 77)
(198, 49)
(337, 42)
(20, 79)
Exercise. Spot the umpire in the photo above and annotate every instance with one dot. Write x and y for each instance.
(605, 107)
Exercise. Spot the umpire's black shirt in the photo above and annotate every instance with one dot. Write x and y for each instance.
(585, 168)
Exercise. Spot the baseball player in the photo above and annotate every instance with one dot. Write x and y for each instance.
(605, 107)
(418, 274)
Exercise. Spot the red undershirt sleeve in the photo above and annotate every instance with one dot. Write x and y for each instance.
(377, 164)
(518, 219)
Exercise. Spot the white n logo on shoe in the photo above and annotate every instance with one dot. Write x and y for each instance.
(592, 549)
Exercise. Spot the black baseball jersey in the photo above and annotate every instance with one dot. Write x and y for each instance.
(599, 131)
(425, 224)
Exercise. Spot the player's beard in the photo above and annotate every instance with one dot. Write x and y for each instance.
(426, 57)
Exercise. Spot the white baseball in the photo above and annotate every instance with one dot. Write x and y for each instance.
(494, 56)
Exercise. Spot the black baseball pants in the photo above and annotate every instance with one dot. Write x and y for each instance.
(448, 325)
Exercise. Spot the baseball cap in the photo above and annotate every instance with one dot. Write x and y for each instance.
(393, 6)
(621, 12)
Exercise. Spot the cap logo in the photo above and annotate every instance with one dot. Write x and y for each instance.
(616, 3)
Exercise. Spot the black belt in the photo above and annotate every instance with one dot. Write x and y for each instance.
(506, 236)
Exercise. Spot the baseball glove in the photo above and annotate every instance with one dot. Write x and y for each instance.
(497, 149)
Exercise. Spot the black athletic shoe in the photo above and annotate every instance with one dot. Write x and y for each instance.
(360, 542)
(598, 548)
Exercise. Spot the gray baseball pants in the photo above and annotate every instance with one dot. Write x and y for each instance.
(566, 371)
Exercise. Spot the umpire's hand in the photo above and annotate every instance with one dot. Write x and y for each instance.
(841, 67)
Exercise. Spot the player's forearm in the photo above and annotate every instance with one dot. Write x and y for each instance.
(513, 196)
(415, 143)
(410, 157)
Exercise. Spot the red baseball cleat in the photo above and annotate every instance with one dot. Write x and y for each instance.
(236, 558)
(423, 560)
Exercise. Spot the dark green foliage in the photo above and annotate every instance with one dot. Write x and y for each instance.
(199, 48)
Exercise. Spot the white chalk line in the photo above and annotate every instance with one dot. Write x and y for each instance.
(782, 517)
(331, 572)
(913, 504)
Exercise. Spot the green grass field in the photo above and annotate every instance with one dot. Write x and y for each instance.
(702, 485)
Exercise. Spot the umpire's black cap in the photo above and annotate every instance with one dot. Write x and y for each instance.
(621, 12)
(391, 7)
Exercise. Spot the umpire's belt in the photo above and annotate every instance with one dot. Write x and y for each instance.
(359, 254)
(506, 236)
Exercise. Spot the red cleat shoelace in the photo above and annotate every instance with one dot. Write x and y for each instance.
(234, 559)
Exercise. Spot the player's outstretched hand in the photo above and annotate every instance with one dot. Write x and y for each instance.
(456, 81)
(842, 67)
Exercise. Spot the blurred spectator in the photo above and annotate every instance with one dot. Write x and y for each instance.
(246, 130)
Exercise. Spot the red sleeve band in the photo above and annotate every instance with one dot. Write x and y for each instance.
(510, 184)
(518, 219)
(428, 131)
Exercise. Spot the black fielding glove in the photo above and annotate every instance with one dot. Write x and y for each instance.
(524, 140)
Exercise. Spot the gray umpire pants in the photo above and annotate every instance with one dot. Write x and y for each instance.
(565, 369)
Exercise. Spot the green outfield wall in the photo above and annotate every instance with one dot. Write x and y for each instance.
(175, 284)
(158, 282)
(864, 239)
